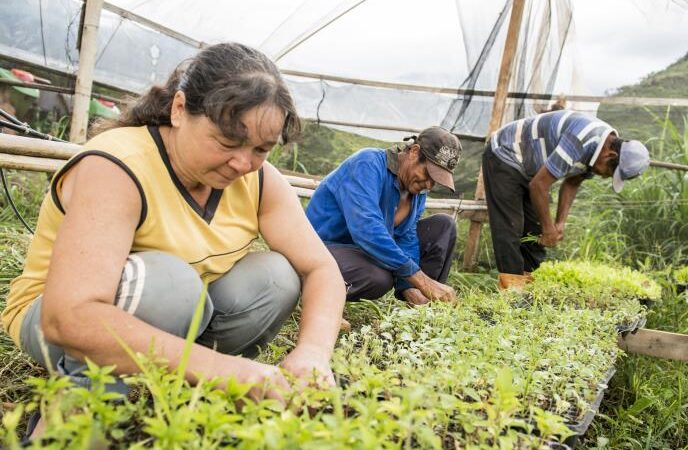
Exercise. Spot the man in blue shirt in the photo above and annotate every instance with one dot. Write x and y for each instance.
(522, 161)
(368, 213)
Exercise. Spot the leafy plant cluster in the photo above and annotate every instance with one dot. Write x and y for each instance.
(583, 284)
(681, 275)
(484, 373)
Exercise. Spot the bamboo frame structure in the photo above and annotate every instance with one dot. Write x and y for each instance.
(49, 156)
(87, 63)
(36, 155)
(498, 107)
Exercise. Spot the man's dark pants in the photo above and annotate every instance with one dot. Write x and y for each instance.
(436, 235)
(512, 217)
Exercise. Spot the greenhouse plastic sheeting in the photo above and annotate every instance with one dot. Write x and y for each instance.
(443, 43)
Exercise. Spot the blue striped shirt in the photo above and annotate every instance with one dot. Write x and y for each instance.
(566, 142)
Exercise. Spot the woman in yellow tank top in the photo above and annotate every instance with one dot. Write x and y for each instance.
(169, 199)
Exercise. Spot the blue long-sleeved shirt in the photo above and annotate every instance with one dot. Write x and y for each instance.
(354, 205)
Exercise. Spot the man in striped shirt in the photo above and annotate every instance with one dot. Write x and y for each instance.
(522, 161)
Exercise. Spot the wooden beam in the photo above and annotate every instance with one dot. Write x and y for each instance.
(52, 88)
(24, 153)
(667, 165)
(30, 163)
(304, 37)
(498, 107)
(20, 145)
(84, 77)
(465, 137)
(655, 343)
(466, 209)
(154, 26)
(630, 101)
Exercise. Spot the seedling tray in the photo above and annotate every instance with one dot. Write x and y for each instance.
(639, 322)
(557, 446)
(581, 427)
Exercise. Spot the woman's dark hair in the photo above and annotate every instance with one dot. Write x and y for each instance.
(222, 82)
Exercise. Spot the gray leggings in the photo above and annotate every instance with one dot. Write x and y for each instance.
(244, 310)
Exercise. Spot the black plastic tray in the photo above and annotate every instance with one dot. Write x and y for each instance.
(557, 446)
(581, 427)
(639, 322)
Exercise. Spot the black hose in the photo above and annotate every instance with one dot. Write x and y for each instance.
(11, 202)
(11, 122)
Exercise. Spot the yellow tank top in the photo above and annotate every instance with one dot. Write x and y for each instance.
(211, 240)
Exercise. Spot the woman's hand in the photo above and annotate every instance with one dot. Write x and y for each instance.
(310, 365)
(268, 381)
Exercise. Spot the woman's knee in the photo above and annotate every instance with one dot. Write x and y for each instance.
(272, 279)
(252, 302)
(284, 278)
(162, 290)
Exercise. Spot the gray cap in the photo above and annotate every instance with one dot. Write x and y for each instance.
(634, 159)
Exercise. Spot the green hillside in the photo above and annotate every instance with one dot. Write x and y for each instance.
(321, 149)
(637, 122)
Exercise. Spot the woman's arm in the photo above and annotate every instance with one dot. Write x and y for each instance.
(103, 208)
(286, 230)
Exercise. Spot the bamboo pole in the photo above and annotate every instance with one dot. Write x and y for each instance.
(37, 155)
(20, 145)
(667, 165)
(630, 101)
(53, 88)
(30, 163)
(498, 107)
(84, 78)
(123, 13)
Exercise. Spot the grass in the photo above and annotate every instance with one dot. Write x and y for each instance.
(496, 368)
(645, 406)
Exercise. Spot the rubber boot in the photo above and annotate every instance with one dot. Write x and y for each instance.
(513, 281)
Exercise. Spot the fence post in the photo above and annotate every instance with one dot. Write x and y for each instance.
(84, 77)
(498, 107)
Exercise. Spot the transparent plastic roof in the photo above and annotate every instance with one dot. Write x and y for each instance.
(581, 47)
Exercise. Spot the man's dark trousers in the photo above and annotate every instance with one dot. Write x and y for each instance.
(512, 217)
(436, 236)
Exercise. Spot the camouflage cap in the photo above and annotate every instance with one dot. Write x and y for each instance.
(443, 150)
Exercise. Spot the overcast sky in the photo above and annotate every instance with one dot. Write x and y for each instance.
(616, 42)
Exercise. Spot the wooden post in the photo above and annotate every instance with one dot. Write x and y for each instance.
(84, 78)
(498, 107)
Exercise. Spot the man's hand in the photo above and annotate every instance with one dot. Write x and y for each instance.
(551, 237)
(414, 297)
(560, 226)
(310, 365)
(432, 289)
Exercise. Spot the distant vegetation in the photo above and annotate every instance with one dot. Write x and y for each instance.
(637, 122)
(322, 149)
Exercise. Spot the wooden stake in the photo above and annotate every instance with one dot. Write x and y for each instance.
(655, 343)
(498, 107)
(84, 78)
